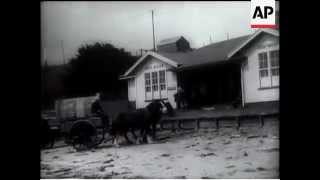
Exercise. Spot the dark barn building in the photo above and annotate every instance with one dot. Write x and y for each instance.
(176, 44)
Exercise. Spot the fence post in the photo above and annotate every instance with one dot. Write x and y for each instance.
(180, 124)
(160, 124)
(217, 123)
(197, 124)
(261, 120)
(172, 126)
(238, 122)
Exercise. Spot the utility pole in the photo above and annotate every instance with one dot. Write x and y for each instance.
(63, 59)
(44, 82)
(43, 69)
(154, 45)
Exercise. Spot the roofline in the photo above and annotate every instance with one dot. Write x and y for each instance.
(126, 77)
(273, 32)
(150, 53)
(216, 63)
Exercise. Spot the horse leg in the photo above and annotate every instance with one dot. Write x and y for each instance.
(146, 135)
(52, 142)
(143, 133)
(115, 141)
(126, 136)
(133, 133)
(135, 136)
(149, 140)
(150, 135)
(154, 126)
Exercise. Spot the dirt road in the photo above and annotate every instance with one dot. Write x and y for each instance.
(251, 152)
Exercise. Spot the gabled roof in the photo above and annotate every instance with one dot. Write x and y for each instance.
(150, 53)
(169, 40)
(216, 52)
(213, 53)
(242, 45)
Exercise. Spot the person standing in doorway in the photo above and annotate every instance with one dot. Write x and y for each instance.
(179, 98)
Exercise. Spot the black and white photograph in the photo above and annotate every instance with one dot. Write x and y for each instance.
(158, 90)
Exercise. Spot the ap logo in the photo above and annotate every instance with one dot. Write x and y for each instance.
(263, 14)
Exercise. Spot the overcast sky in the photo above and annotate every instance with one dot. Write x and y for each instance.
(128, 25)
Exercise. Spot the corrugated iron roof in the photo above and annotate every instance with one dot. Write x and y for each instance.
(212, 53)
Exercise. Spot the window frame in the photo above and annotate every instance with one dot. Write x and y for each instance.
(265, 68)
(154, 81)
(277, 66)
(147, 85)
(162, 80)
(269, 67)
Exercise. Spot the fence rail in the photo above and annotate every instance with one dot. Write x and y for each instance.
(178, 123)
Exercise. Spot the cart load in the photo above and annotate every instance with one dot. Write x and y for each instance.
(80, 126)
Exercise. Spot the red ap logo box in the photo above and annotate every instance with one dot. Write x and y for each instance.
(263, 14)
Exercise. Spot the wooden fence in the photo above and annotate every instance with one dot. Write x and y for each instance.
(178, 123)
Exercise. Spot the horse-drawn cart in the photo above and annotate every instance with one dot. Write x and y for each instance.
(80, 127)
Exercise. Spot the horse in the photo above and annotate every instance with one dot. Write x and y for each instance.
(140, 119)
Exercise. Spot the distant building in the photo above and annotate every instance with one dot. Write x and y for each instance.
(175, 44)
(245, 68)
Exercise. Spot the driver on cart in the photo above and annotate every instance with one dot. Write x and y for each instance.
(97, 110)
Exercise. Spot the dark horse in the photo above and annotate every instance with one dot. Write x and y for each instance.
(144, 120)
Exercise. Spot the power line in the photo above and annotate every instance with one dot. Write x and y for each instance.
(154, 45)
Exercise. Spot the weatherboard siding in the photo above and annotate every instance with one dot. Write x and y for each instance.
(251, 82)
(132, 89)
(138, 94)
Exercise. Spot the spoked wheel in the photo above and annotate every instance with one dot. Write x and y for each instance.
(84, 142)
(83, 137)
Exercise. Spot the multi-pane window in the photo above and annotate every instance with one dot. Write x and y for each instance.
(147, 82)
(274, 58)
(155, 84)
(269, 68)
(263, 65)
(162, 80)
(154, 81)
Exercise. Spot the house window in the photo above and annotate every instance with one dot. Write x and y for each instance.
(274, 61)
(162, 80)
(263, 70)
(263, 65)
(147, 82)
(154, 81)
(274, 58)
(131, 83)
(269, 69)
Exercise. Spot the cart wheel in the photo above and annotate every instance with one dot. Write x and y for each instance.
(84, 142)
(83, 136)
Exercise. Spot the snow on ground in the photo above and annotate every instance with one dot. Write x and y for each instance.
(251, 152)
